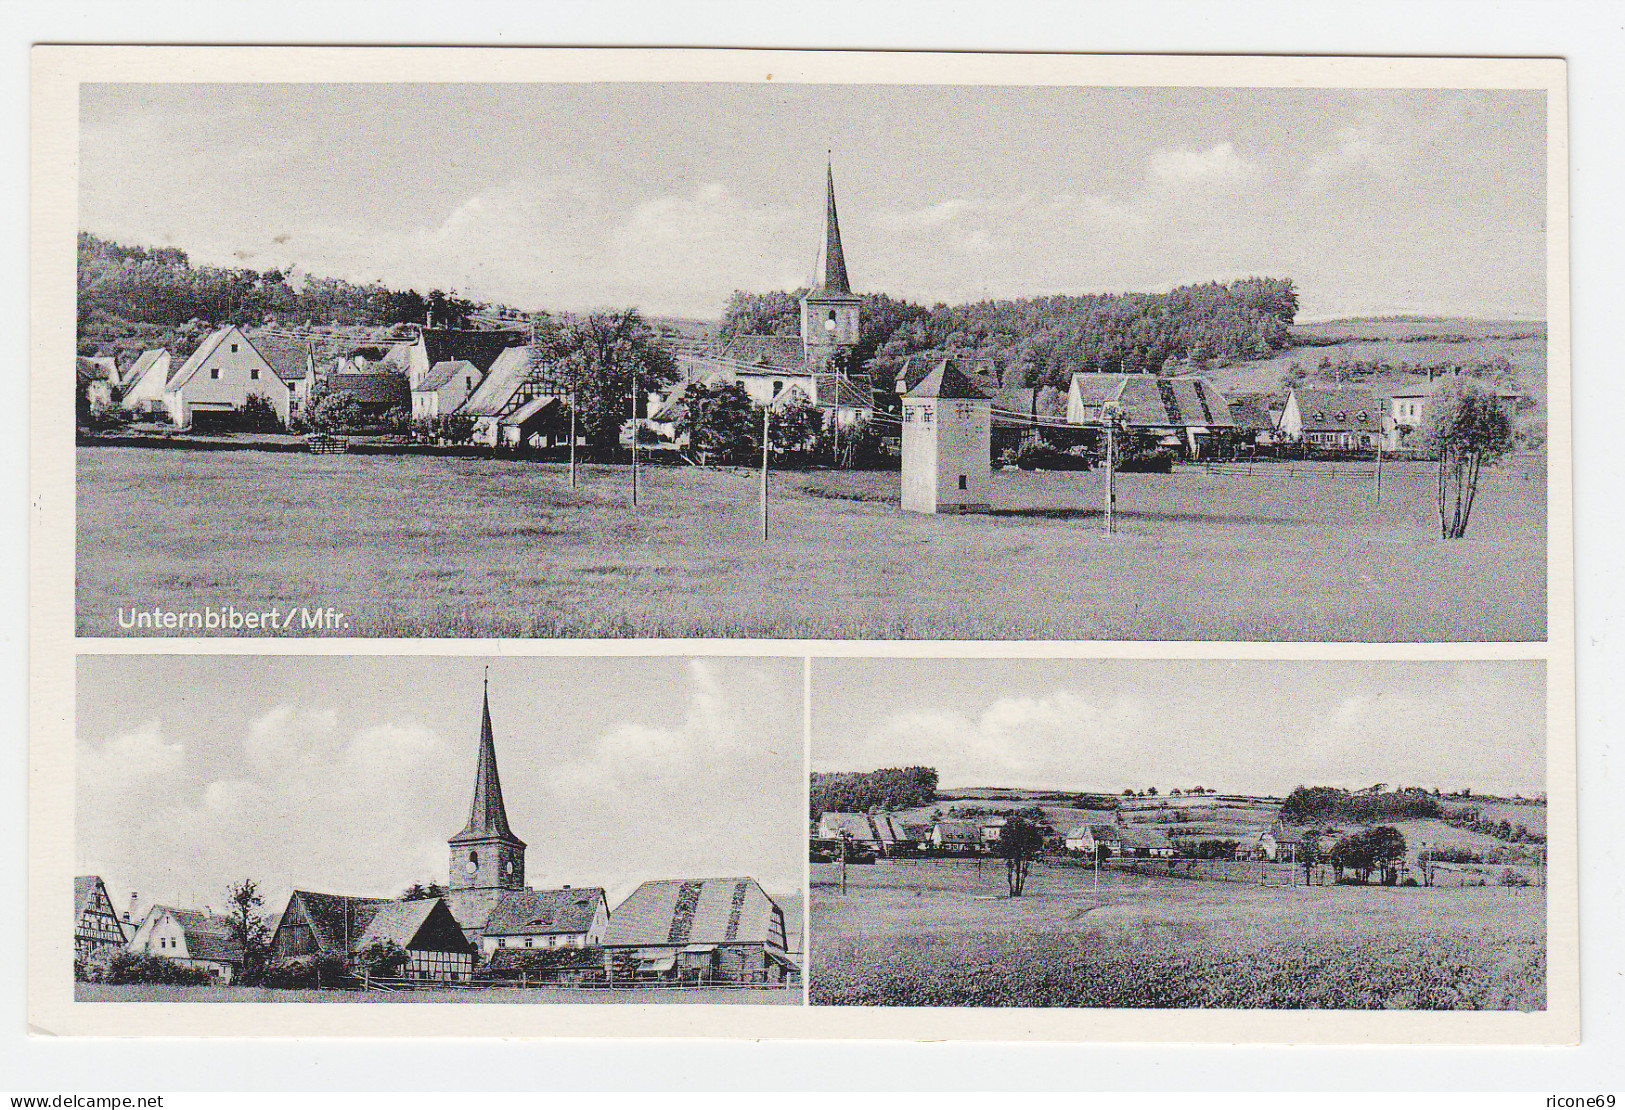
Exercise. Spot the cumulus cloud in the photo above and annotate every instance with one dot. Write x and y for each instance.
(1218, 165)
(1355, 151)
(297, 797)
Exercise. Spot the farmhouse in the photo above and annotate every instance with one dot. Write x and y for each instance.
(1333, 419)
(947, 443)
(342, 925)
(95, 383)
(507, 387)
(145, 381)
(1185, 412)
(218, 379)
(709, 930)
(425, 930)
(564, 918)
(855, 827)
(95, 924)
(1143, 843)
(443, 390)
(1080, 839)
(192, 939)
(956, 836)
(294, 361)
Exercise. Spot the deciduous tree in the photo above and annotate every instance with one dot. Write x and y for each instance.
(1468, 429)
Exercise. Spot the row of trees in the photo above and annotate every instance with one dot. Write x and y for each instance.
(1308, 805)
(1040, 341)
(889, 788)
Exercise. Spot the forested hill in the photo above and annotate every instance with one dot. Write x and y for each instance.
(156, 297)
(1045, 339)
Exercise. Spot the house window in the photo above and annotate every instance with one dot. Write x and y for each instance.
(529, 941)
(925, 416)
(214, 372)
(962, 484)
(1319, 415)
(254, 373)
(234, 348)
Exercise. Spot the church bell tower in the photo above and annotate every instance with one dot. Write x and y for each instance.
(829, 311)
(486, 855)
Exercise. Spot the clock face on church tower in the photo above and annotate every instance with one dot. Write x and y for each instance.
(471, 866)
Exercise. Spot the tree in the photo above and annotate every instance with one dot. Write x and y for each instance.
(1020, 842)
(258, 415)
(337, 412)
(1369, 850)
(1467, 428)
(601, 358)
(795, 425)
(430, 889)
(720, 421)
(249, 930)
(382, 958)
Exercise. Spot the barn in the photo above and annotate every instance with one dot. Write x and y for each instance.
(698, 931)
(342, 925)
(570, 917)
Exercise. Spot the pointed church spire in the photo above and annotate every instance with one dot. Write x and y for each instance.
(487, 816)
(830, 274)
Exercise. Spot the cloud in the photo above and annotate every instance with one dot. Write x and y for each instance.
(1355, 152)
(296, 798)
(1218, 165)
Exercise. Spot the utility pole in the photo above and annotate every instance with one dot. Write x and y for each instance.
(572, 435)
(766, 410)
(1109, 411)
(634, 436)
(1379, 471)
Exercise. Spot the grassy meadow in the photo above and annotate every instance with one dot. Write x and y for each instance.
(435, 546)
(944, 933)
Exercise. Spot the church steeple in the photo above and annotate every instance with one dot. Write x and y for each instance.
(829, 310)
(830, 274)
(487, 853)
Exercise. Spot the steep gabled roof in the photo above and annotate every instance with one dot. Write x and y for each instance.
(85, 888)
(1251, 412)
(142, 366)
(208, 937)
(424, 924)
(696, 911)
(544, 912)
(487, 814)
(443, 372)
(947, 381)
(963, 832)
(509, 371)
(197, 358)
(1149, 401)
(855, 825)
(335, 918)
(290, 359)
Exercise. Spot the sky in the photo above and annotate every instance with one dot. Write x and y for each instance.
(348, 774)
(671, 196)
(1251, 726)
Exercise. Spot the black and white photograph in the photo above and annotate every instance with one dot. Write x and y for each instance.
(438, 829)
(813, 360)
(1179, 834)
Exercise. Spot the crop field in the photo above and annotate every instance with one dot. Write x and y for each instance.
(694, 996)
(435, 546)
(943, 933)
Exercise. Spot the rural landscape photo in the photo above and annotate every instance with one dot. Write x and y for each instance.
(812, 361)
(1178, 834)
(434, 829)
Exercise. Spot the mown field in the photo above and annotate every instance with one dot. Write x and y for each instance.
(535, 996)
(943, 933)
(432, 546)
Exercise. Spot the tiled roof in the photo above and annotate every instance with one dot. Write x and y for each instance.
(423, 925)
(335, 918)
(780, 352)
(207, 937)
(534, 409)
(917, 367)
(443, 372)
(138, 369)
(962, 832)
(510, 370)
(289, 358)
(1143, 838)
(482, 348)
(855, 825)
(1251, 413)
(948, 381)
(541, 912)
(695, 911)
(1149, 401)
(1339, 410)
(854, 392)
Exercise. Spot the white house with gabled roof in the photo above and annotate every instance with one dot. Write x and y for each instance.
(219, 378)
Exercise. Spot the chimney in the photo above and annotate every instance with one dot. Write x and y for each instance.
(135, 897)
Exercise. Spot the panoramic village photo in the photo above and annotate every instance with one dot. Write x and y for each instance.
(438, 829)
(803, 361)
(1179, 834)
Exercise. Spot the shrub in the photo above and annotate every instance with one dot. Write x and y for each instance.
(303, 972)
(258, 415)
(383, 958)
(1509, 877)
(120, 965)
